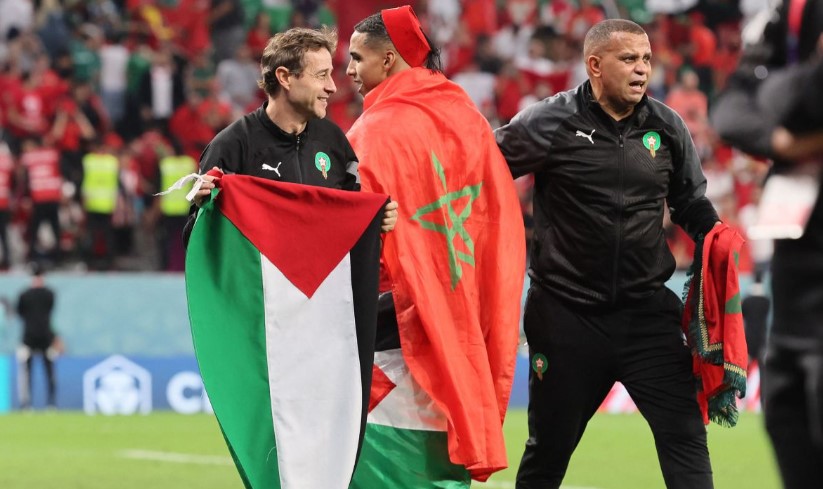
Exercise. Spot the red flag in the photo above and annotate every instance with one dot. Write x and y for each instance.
(456, 257)
(713, 324)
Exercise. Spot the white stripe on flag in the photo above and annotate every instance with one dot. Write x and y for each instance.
(407, 406)
(314, 378)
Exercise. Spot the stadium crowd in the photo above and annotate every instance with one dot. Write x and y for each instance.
(105, 102)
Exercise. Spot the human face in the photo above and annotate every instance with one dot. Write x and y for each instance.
(309, 91)
(367, 66)
(624, 68)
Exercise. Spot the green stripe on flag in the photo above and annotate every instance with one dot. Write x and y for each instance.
(395, 458)
(223, 297)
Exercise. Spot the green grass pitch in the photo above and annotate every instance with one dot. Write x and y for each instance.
(69, 450)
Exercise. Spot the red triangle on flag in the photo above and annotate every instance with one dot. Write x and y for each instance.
(290, 225)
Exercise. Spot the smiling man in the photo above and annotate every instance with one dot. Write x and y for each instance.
(607, 159)
(288, 139)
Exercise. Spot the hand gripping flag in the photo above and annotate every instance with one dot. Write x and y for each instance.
(281, 282)
(456, 260)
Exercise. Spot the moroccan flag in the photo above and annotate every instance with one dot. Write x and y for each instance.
(456, 261)
(281, 282)
(713, 324)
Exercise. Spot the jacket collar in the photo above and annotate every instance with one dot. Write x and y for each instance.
(275, 130)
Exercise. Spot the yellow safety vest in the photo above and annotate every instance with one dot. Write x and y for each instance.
(173, 168)
(100, 177)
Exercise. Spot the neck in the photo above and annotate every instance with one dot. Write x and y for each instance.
(616, 113)
(284, 116)
(399, 66)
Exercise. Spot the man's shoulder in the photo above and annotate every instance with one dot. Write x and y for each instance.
(240, 128)
(664, 112)
(325, 126)
(557, 107)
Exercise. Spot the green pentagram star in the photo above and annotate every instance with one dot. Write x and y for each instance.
(444, 203)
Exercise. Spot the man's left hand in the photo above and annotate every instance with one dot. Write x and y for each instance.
(389, 217)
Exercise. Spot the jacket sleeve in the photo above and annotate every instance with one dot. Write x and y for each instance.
(735, 115)
(688, 204)
(526, 141)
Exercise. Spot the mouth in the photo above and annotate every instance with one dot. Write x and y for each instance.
(638, 86)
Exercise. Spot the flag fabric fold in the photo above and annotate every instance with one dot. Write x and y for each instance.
(281, 281)
(456, 258)
(713, 325)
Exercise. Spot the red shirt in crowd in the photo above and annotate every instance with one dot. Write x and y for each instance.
(43, 169)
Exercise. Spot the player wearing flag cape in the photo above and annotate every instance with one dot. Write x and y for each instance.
(453, 267)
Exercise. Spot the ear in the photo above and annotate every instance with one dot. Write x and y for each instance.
(282, 74)
(389, 60)
(594, 66)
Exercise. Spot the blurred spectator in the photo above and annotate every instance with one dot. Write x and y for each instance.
(40, 162)
(237, 77)
(26, 116)
(692, 104)
(34, 306)
(17, 14)
(70, 131)
(6, 181)
(588, 13)
(85, 49)
(200, 73)
(114, 59)
(479, 85)
(101, 171)
(161, 90)
(173, 210)
(226, 19)
(259, 35)
(52, 27)
(189, 128)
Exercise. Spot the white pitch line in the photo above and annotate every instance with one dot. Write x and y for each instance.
(188, 458)
(179, 458)
(510, 485)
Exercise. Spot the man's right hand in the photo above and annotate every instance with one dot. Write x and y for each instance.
(205, 189)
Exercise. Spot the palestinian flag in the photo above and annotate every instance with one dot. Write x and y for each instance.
(281, 282)
(406, 443)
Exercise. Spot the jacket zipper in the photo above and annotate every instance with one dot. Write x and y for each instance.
(297, 160)
(619, 227)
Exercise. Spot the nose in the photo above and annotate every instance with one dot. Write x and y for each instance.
(330, 86)
(350, 69)
(642, 66)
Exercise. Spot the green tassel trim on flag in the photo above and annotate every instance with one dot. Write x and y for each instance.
(698, 329)
(723, 408)
(723, 405)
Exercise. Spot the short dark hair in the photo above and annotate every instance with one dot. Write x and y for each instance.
(377, 36)
(288, 49)
(600, 33)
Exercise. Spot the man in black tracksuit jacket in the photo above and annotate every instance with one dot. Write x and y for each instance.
(773, 107)
(288, 139)
(606, 160)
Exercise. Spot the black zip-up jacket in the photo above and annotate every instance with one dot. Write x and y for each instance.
(254, 145)
(600, 192)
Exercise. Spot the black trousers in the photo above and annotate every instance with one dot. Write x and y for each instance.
(26, 380)
(792, 392)
(586, 351)
(47, 212)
